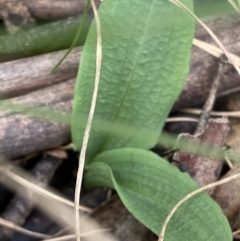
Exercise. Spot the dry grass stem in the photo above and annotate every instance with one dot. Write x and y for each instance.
(235, 6)
(62, 238)
(236, 236)
(40, 190)
(19, 229)
(17, 179)
(181, 119)
(190, 195)
(104, 230)
(214, 37)
(89, 122)
(213, 50)
(236, 232)
(228, 161)
(235, 114)
(72, 236)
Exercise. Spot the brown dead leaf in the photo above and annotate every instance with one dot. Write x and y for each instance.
(233, 139)
(228, 196)
(202, 169)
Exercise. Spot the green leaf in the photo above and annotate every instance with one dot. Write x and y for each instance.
(76, 38)
(146, 51)
(206, 8)
(150, 187)
(43, 39)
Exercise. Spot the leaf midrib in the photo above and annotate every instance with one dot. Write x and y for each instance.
(105, 142)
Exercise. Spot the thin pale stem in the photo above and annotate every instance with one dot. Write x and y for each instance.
(181, 119)
(19, 229)
(234, 5)
(41, 191)
(214, 37)
(88, 125)
(235, 114)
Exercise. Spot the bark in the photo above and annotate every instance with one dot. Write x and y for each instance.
(15, 15)
(45, 9)
(23, 134)
(29, 74)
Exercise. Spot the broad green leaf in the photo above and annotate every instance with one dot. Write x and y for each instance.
(146, 51)
(150, 187)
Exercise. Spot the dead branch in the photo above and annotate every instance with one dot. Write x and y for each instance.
(29, 74)
(22, 134)
(44, 9)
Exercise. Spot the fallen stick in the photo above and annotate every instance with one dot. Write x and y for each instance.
(44, 9)
(23, 134)
(25, 75)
